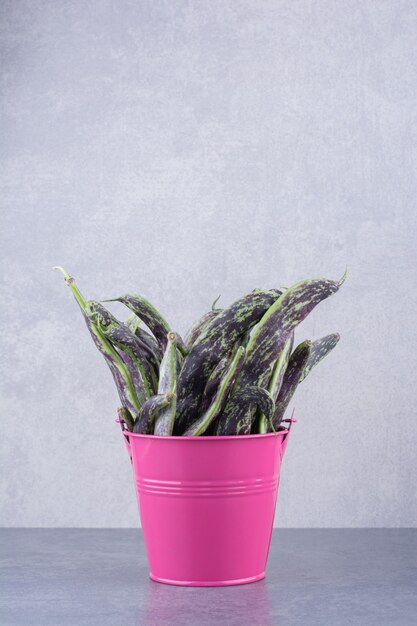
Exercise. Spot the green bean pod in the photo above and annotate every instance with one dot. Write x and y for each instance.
(167, 384)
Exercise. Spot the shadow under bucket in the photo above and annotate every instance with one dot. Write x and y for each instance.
(207, 505)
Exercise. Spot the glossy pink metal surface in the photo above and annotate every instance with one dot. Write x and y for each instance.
(207, 505)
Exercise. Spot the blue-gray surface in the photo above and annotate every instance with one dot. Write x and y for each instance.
(73, 577)
(185, 149)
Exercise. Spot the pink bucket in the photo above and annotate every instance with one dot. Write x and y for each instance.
(207, 505)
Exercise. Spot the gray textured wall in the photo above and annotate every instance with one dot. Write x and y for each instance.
(186, 149)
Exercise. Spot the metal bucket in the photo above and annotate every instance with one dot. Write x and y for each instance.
(207, 505)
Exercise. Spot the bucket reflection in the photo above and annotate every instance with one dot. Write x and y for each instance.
(239, 604)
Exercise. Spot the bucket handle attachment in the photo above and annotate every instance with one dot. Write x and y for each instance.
(290, 421)
(125, 434)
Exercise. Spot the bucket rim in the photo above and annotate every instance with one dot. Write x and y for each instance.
(279, 433)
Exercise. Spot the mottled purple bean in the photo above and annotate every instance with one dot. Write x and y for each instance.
(275, 381)
(125, 416)
(197, 328)
(149, 343)
(121, 336)
(145, 422)
(269, 337)
(147, 313)
(118, 368)
(216, 340)
(292, 377)
(200, 426)
(320, 348)
(235, 422)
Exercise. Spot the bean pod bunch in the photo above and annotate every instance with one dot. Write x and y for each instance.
(234, 373)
